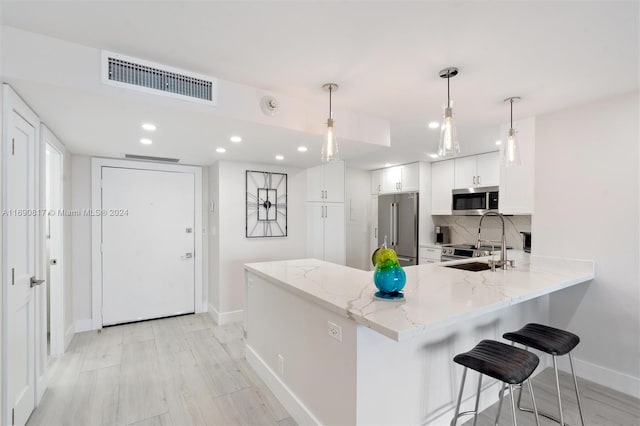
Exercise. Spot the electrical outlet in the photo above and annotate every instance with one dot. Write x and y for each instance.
(280, 365)
(334, 330)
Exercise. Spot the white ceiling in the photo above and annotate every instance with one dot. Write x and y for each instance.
(385, 56)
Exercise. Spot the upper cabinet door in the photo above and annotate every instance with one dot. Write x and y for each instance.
(315, 186)
(334, 182)
(376, 182)
(410, 178)
(442, 179)
(488, 169)
(465, 172)
(391, 178)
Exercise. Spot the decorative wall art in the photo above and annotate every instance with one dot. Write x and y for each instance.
(266, 204)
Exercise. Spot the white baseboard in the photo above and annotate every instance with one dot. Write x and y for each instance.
(221, 318)
(68, 335)
(604, 376)
(287, 398)
(84, 325)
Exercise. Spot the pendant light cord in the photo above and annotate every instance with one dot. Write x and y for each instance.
(511, 104)
(448, 91)
(330, 90)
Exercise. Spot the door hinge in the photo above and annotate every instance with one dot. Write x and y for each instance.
(13, 276)
(13, 146)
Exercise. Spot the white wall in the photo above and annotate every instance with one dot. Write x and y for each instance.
(68, 321)
(234, 249)
(81, 241)
(214, 237)
(587, 192)
(358, 210)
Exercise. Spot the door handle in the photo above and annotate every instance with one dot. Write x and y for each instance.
(33, 282)
(187, 256)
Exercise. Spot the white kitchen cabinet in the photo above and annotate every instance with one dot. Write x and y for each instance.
(429, 254)
(326, 232)
(326, 183)
(477, 170)
(391, 177)
(405, 178)
(517, 182)
(373, 228)
(442, 181)
(488, 169)
(376, 182)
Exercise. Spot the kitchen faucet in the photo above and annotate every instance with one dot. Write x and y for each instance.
(503, 262)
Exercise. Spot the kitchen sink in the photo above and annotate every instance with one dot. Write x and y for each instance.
(471, 266)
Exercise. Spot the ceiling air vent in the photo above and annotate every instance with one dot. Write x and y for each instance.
(150, 158)
(138, 74)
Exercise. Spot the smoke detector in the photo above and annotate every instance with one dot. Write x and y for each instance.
(269, 105)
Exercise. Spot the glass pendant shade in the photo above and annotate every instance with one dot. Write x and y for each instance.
(511, 153)
(448, 139)
(330, 145)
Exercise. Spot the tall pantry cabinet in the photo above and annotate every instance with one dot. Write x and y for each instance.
(326, 212)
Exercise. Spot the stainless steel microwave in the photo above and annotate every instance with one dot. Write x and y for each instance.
(474, 201)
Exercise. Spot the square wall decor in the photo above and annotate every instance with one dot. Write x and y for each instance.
(266, 204)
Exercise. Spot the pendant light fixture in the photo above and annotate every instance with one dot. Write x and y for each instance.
(448, 139)
(330, 145)
(511, 152)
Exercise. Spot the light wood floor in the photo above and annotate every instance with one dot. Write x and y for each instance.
(601, 405)
(188, 371)
(174, 371)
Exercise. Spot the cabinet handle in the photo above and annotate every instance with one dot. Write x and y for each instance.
(326, 213)
(379, 189)
(478, 180)
(326, 194)
(375, 232)
(474, 180)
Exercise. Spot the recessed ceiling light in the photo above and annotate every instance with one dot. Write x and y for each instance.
(145, 141)
(149, 126)
(235, 139)
(498, 142)
(434, 125)
(387, 164)
(221, 150)
(433, 155)
(302, 149)
(279, 157)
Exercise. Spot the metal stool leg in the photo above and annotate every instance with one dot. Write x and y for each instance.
(533, 401)
(575, 384)
(513, 406)
(501, 396)
(455, 417)
(475, 416)
(555, 369)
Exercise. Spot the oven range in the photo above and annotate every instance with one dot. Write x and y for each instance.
(467, 251)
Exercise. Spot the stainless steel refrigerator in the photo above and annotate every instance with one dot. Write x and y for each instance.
(398, 222)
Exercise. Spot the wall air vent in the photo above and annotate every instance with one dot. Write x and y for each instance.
(138, 74)
(150, 158)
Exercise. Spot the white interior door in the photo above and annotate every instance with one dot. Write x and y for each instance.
(20, 246)
(147, 244)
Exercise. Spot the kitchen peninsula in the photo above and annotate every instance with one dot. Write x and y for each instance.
(381, 362)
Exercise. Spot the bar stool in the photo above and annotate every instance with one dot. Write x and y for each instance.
(556, 343)
(506, 363)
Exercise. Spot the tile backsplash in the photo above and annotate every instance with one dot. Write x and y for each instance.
(464, 229)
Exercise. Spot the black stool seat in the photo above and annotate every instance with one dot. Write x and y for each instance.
(544, 338)
(503, 362)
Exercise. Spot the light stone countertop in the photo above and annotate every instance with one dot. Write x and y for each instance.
(435, 296)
